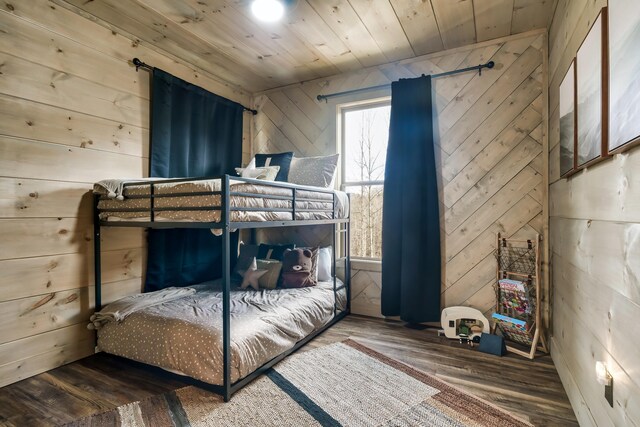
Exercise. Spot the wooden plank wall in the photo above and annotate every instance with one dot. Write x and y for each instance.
(72, 111)
(491, 133)
(595, 249)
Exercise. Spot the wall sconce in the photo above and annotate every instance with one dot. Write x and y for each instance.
(605, 378)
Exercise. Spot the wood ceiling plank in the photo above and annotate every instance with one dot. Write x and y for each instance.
(297, 41)
(455, 21)
(493, 18)
(345, 22)
(419, 24)
(305, 22)
(153, 28)
(382, 23)
(530, 14)
(224, 29)
(276, 35)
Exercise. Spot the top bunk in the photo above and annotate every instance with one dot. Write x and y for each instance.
(218, 203)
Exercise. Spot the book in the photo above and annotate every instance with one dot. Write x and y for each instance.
(514, 329)
(513, 297)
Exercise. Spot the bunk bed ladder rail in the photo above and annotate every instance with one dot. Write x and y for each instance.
(97, 267)
(226, 290)
(347, 274)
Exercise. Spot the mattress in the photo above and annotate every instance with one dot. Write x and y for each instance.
(185, 335)
(310, 205)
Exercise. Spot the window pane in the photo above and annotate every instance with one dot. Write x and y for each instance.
(366, 133)
(366, 221)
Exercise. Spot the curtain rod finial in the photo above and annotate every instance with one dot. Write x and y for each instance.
(138, 63)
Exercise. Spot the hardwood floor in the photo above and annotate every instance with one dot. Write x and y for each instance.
(529, 389)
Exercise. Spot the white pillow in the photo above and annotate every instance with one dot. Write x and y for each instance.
(314, 171)
(325, 260)
(267, 173)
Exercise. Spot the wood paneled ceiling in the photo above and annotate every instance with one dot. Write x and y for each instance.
(317, 38)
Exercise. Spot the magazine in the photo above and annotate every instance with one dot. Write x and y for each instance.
(513, 297)
(514, 329)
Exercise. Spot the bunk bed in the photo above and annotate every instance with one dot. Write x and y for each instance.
(225, 204)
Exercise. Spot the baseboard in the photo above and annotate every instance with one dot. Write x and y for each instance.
(578, 403)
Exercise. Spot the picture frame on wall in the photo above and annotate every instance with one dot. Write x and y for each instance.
(624, 74)
(567, 113)
(591, 95)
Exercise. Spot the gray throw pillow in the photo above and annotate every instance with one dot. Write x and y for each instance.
(313, 171)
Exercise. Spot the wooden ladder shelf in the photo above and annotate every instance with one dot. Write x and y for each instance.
(520, 260)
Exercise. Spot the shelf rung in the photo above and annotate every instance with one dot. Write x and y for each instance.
(533, 276)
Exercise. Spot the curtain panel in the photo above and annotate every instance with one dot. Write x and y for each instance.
(194, 133)
(411, 261)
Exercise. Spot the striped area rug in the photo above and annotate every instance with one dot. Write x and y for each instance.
(342, 384)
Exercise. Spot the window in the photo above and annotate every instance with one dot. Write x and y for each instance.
(365, 132)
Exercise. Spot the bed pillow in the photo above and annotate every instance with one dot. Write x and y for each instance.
(297, 268)
(245, 258)
(283, 160)
(270, 279)
(313, 171)
(266, 251)
(325, 261)
(266, 173)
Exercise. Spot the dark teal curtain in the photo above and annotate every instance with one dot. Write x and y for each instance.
(411, 261)
(194, 133)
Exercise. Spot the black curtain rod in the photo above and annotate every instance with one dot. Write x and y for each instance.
(139, 64)
(478, 68)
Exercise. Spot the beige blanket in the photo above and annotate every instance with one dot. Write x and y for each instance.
(118, 310)
(185, 335)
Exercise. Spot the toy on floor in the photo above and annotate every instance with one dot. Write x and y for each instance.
(463, 323)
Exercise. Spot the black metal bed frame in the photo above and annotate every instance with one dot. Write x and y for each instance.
(226, 225)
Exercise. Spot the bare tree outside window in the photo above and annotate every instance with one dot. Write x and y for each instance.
(366, 132)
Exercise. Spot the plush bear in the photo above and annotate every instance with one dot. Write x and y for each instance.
(297, 268)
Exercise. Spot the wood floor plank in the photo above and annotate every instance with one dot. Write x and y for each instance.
(530, 389)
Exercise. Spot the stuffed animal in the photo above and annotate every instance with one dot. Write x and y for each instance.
(297, 268)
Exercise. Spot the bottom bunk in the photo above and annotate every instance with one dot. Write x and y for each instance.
(185, 336)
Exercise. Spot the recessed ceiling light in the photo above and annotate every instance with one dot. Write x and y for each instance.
(267, 10)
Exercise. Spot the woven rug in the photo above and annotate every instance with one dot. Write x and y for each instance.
(342, 384)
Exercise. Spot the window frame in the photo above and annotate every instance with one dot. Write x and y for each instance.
(343, 110)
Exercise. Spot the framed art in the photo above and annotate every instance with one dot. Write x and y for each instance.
(624, 74)
(568, 121)
(591, 89)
